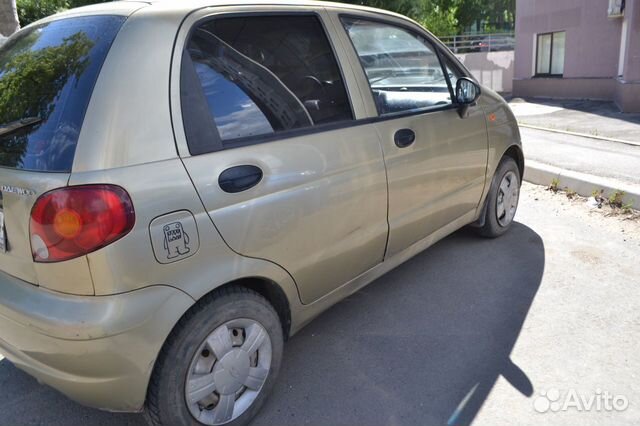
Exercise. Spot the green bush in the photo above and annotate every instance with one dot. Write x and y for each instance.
(31, 10)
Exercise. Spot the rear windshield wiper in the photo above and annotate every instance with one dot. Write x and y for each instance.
(5, 129)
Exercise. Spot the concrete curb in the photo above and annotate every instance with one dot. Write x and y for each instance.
(582, 135)
(582, 183)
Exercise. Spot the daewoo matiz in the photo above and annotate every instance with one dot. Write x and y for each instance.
(185, 184)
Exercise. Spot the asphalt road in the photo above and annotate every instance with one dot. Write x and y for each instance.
(469, 331)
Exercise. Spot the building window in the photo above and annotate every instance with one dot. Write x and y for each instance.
(550, 54)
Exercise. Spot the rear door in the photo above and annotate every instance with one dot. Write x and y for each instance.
(271, 143)
(436, 158)
(47, 74)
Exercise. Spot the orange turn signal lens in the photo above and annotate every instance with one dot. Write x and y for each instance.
(67, 223)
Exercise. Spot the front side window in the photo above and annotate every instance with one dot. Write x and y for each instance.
(550, 54)
(453, 71)
(403, 69)
(260, 75)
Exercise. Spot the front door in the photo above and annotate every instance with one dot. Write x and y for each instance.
(436, 158)
(274, 154)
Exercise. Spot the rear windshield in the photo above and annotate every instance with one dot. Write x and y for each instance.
(47, 74)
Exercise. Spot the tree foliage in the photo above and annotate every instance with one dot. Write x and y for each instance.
(31, 10)
(448, 17)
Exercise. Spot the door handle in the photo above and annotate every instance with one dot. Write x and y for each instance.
(404, 137)
(239, 178)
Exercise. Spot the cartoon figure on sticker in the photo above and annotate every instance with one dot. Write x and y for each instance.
(176, 240)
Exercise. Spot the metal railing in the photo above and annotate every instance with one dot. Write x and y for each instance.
(468, 43)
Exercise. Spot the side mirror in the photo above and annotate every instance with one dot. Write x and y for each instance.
(467, 91)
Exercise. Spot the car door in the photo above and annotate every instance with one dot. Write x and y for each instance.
(270, 142)
(436, 157)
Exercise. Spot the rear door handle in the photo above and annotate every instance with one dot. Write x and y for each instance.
(240, 178)
(404, 138)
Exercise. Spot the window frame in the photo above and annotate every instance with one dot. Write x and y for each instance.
(433, 43)
(549, 74)
(218, 144)
(185, 147)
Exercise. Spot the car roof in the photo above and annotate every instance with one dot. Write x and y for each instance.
(128, 7)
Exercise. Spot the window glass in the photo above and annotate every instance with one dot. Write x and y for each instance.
(550, 53)
(403, 69)
(238, 116)
(544, 54)
(47, 74)
(266, 74)
(453, 71)
(557, 57)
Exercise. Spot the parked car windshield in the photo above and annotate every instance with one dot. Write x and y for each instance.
(47, 74)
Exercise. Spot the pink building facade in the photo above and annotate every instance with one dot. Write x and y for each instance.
(579, 49)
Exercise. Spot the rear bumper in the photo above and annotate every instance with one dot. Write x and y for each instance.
(98, 350)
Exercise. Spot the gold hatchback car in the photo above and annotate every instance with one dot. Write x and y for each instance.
(185, 184)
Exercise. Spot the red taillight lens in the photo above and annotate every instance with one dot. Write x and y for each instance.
(73, 221)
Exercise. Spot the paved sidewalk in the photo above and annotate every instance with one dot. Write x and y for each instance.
(599, 158)
(585, 145)
(595, 118)
(582, 164)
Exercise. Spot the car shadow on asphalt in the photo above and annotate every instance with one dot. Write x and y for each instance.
(422, 345)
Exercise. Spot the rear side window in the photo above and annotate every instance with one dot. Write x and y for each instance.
(257, 76)
(47, 75)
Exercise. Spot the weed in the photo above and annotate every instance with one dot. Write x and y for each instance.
(616, 199)
(554, 185)
(570, 193)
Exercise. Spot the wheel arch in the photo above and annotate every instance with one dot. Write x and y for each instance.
(515, 152)
(266, 287)
(274, 294)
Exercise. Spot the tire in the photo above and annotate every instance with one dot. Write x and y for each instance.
(189, 354)
(497, 223)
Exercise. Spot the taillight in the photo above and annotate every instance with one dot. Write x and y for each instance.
(73, 221)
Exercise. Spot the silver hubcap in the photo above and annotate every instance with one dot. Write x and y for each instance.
(507, 199)
(228, 371)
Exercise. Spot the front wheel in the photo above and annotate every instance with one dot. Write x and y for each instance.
(219, 363)
(502, 200)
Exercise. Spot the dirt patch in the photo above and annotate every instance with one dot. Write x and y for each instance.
(613, 220)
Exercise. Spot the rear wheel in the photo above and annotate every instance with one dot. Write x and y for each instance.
(502, 200)
(219, 363)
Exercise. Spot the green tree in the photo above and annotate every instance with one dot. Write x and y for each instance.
(448, 17)
(438, 16)
(32, 10)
